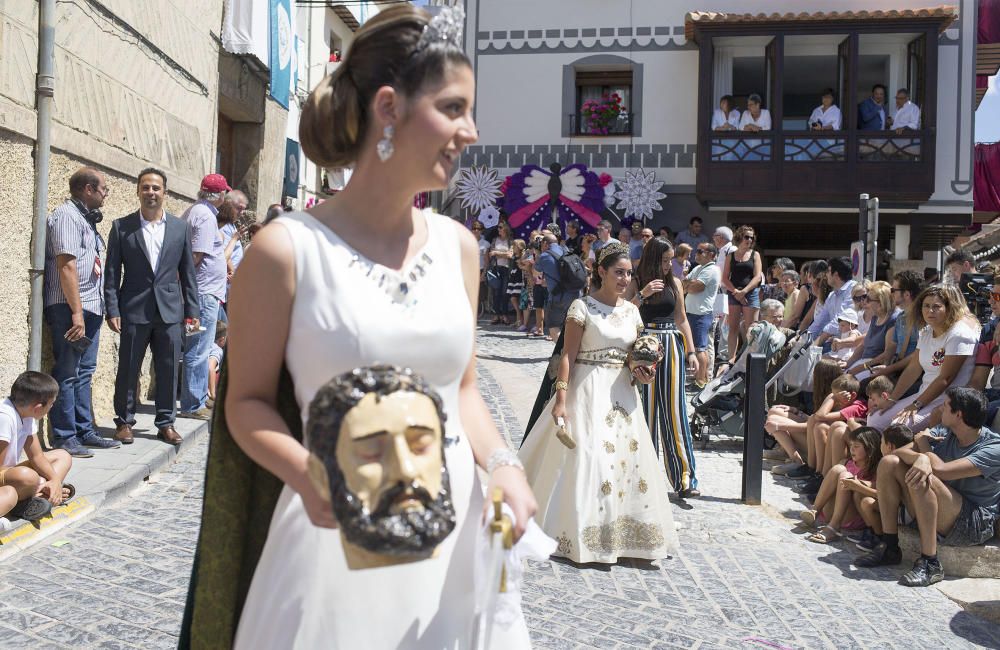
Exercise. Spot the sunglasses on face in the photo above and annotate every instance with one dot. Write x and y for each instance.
(748, 238)
(995, 296)
(861, 298)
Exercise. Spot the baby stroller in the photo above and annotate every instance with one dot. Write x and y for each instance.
(720, 404)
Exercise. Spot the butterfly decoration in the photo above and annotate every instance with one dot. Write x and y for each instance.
(536, 197)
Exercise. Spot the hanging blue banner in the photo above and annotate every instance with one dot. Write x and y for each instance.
(282, 42)
(291, 183)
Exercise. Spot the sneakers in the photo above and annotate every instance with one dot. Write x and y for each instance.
(31, 509)
(783, 470)
(203, 413)
(865, 540)
(925, 572)
(774, 454)
(802, 471)
(811, 485)
(94, 439)
(880, 555)
(73, 447)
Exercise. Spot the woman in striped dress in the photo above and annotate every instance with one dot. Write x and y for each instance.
(660, 298)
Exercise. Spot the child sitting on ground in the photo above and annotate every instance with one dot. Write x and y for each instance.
(878, 390)
(29, 489)
(787, 424)
(215, 356)
(866, 499)
(835, 501)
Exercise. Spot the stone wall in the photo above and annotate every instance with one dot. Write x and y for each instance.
(16, 197)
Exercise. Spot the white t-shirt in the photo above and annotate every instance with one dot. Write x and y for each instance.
(703, 302)
(719, 118)
(960, 340)
(721, 301)
(763, 121)
(14, 431)
(484, 253)
(501, 245)
(829, 117)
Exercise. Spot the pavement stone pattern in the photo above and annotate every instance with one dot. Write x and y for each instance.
(743, 578)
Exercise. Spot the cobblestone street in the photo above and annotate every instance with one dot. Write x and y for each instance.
(744, 576)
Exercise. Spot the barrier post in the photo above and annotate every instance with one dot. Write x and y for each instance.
(753, 428)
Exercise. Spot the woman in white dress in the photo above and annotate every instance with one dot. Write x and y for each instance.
(362, 279)
(606, 498)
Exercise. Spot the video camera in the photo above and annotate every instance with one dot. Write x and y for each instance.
(977, 287)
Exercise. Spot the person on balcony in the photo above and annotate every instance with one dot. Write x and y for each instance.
(826, 116)
(907, 117)
(756, 119)
(726, 117)
(871, 112)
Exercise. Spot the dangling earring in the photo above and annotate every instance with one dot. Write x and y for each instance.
(384, 147)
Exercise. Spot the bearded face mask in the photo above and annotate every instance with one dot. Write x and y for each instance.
(376, 437)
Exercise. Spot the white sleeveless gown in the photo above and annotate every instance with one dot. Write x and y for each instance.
(349, 312)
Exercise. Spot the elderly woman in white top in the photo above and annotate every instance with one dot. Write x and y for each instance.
(756, 119)
(725, 118)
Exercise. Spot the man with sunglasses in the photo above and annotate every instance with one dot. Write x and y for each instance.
(700, 288)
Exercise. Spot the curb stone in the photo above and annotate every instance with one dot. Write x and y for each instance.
(26, 534)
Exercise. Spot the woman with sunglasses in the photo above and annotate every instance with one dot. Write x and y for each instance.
(741, 276)
(878, 347)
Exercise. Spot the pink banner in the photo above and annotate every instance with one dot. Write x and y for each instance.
(988, 30)
(986, 191)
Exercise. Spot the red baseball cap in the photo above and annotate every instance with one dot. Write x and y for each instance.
(215, 183)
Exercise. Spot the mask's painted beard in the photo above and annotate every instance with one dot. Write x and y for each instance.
(411, 533)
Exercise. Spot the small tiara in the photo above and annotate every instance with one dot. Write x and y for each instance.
(445, 27)
(612, 249)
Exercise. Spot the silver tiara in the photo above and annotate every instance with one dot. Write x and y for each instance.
(445, 27)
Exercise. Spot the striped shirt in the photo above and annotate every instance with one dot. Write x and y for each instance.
(69, 233)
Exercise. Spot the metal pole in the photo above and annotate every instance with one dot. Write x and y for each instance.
(753, 428)
(871, 241)
(863, 228)
(45, 82)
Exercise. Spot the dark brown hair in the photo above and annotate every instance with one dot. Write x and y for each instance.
(336, 118)
(651, 267)
(824, 373)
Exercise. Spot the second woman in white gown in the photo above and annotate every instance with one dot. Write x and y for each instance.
(606, 499)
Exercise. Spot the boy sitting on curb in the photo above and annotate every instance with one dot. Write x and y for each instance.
(29, 489)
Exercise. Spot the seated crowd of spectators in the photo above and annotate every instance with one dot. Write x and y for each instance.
(897, 427)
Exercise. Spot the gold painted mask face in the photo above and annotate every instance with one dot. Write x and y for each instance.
(376, 437)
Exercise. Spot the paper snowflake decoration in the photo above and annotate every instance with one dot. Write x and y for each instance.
(639, 195)
(478, 188)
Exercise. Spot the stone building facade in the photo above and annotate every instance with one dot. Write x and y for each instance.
(137, 85)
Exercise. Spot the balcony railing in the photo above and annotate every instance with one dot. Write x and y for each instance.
(825, 167)
(582, 125)
(810, 146)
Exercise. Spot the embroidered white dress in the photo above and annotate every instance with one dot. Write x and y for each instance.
(350, 312)
(607, 498)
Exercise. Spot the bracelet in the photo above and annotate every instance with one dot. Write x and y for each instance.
(503, 457)
(561, 385)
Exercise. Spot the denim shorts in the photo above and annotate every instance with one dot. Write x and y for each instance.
(700, 325)
(753, 300)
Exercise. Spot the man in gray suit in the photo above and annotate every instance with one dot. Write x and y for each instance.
(149, 304)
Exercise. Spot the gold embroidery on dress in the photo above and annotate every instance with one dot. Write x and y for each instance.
(633, 445)
(624, 533)
(643, 486)
(565, 545)
(617, 409)
(609, 447)
(611, 357)
(606, 488)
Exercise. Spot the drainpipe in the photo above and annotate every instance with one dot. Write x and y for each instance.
(45, 82)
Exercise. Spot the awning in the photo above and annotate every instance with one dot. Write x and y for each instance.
(945, 14)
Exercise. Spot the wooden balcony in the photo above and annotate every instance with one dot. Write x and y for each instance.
(812, 167)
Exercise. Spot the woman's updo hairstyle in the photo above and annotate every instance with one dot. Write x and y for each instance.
(607, 257)
(336, 117)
